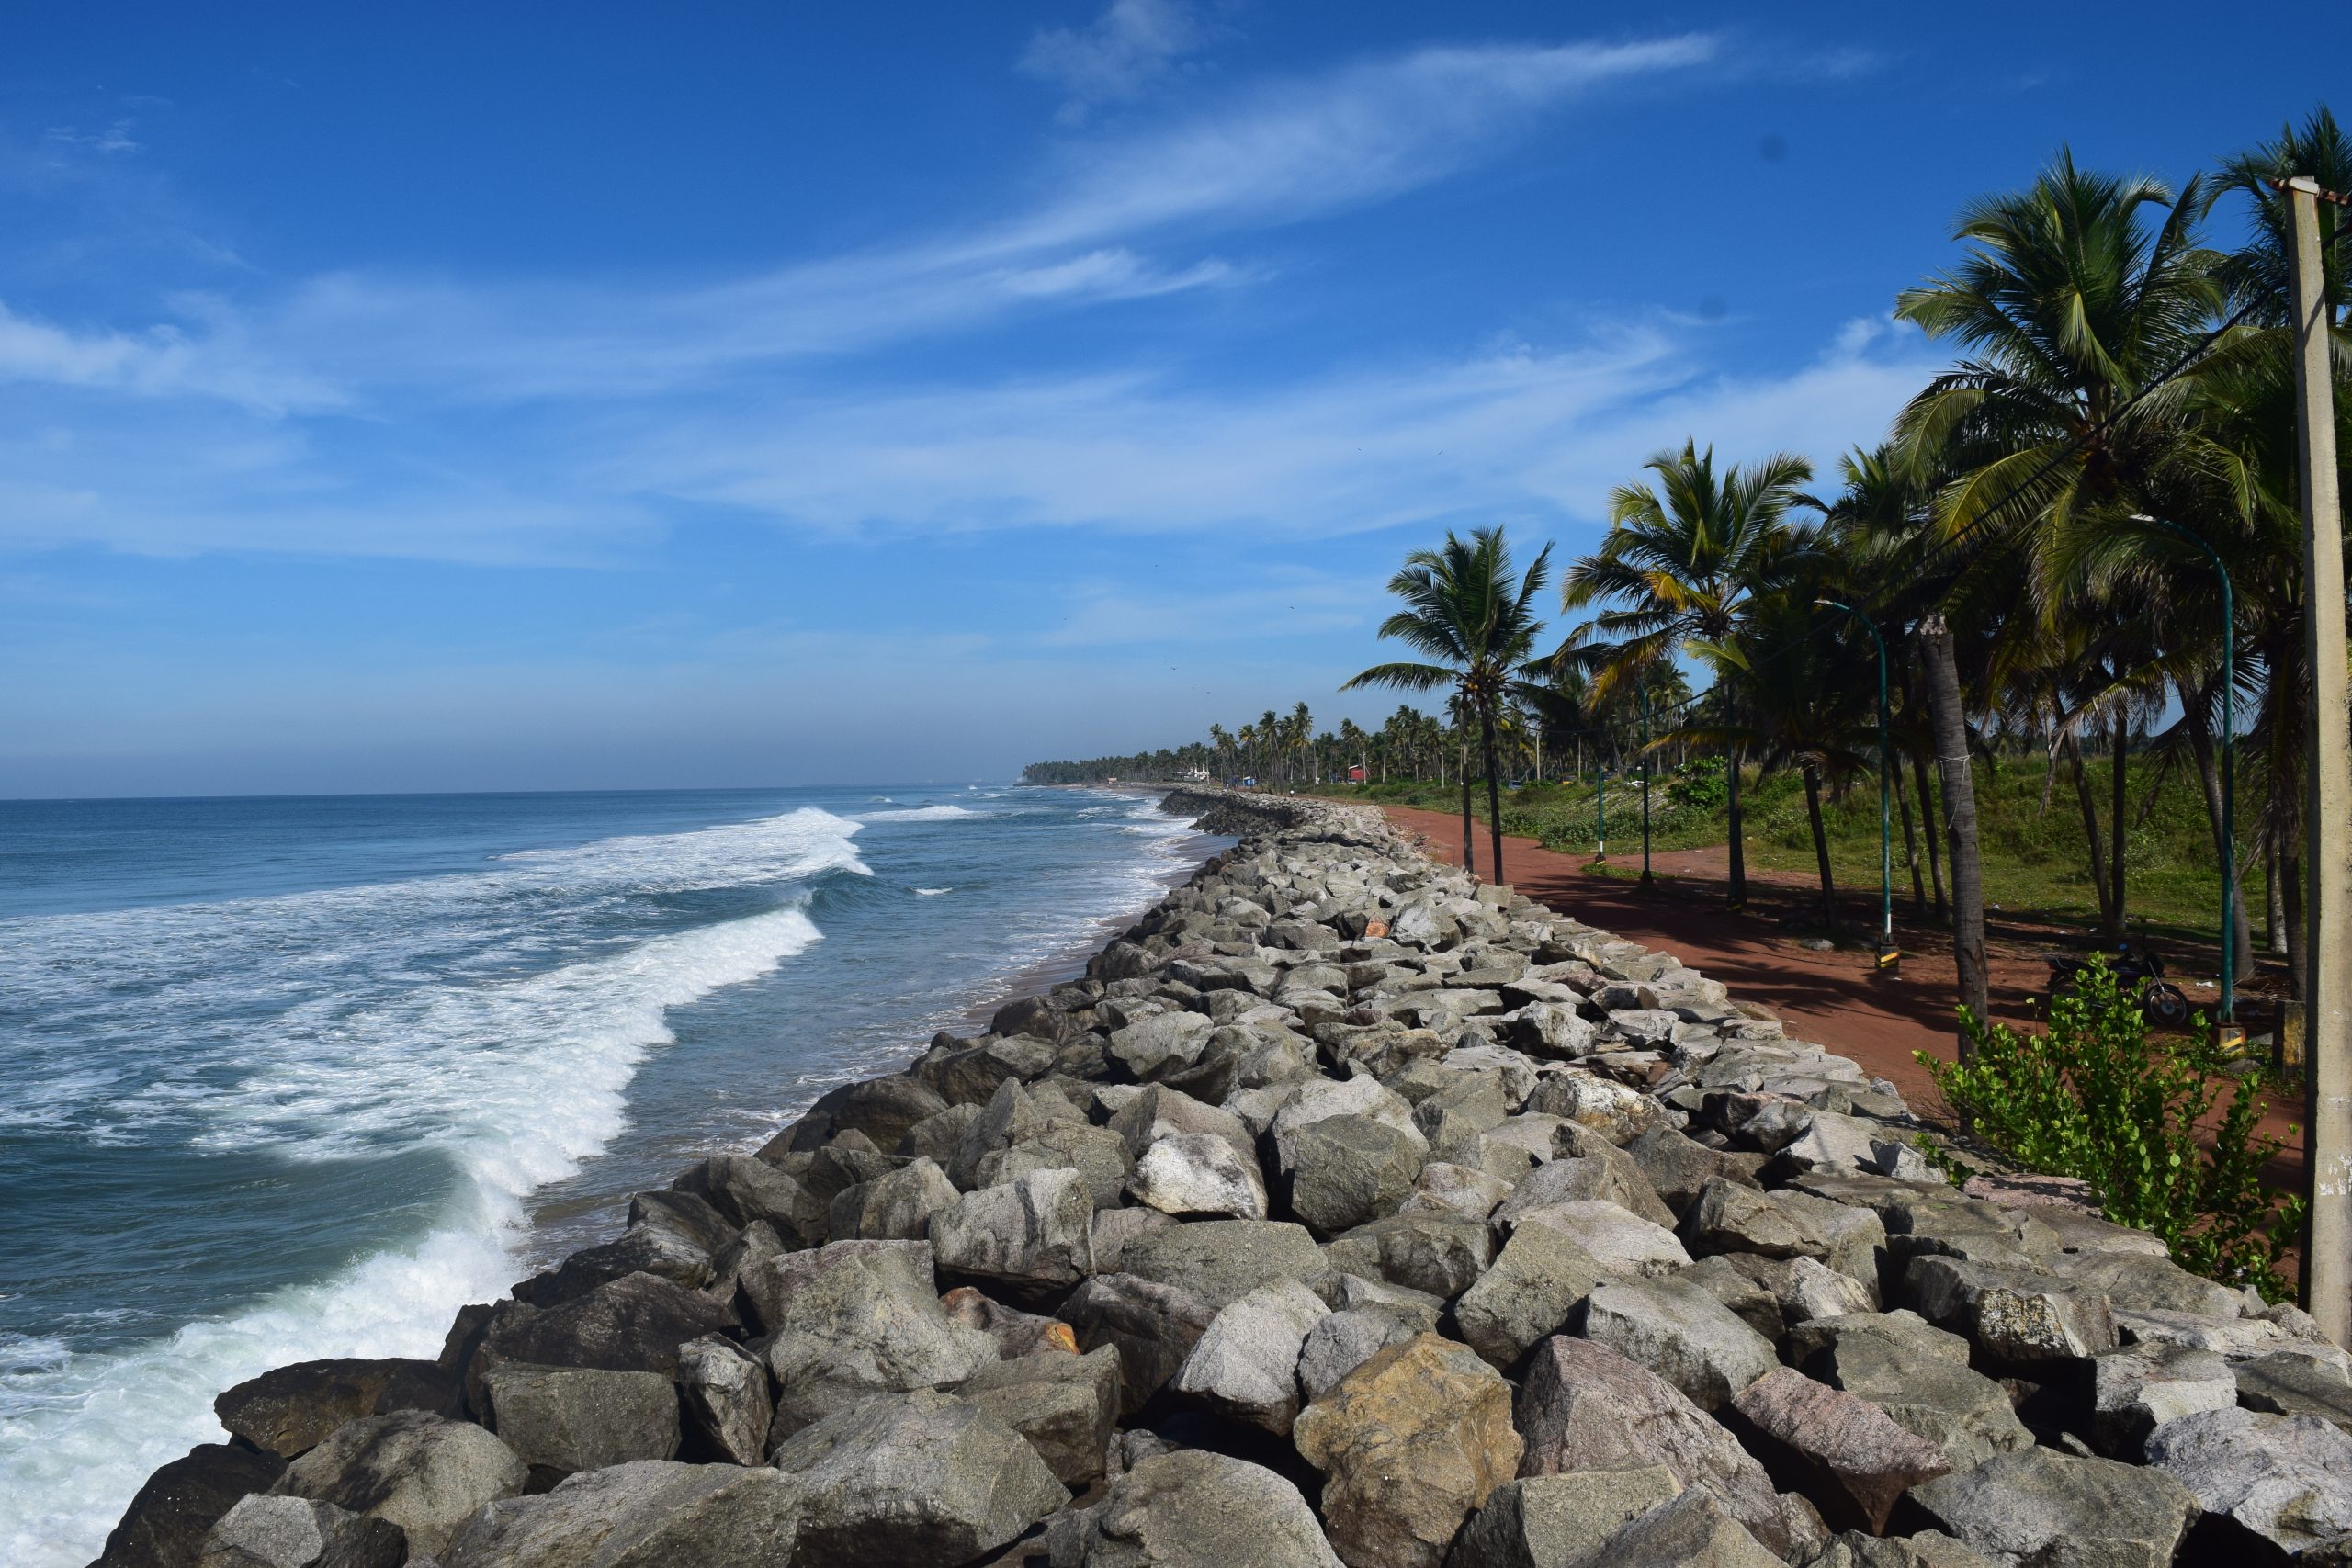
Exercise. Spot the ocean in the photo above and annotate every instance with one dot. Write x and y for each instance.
(297, 1077)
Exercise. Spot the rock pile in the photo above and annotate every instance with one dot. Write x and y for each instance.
(1347, 1211)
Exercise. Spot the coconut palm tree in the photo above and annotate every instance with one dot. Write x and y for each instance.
(1679, 563)
(1472, 619)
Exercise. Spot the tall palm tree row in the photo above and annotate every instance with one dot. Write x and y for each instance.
(2015, 538)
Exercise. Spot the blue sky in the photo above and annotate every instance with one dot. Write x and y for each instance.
(614, 396)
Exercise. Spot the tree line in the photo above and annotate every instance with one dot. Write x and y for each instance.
(2033, 542)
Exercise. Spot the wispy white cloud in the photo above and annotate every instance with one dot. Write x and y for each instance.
(1539, 435)
(1273, 155)
(1128, 48)
(213, 355)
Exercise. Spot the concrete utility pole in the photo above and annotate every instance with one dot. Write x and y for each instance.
(2327, 802)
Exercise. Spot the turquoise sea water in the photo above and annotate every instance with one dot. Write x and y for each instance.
(297, 1077)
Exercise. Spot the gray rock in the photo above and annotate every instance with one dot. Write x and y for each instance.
(2137, 1281)
(1009, 1115)
(632, 1325)
(1678, 1169)
(2139, 1388)
(1749, 1296)
(568, 1419)
(422, 1472)
(1245, 1364)
(1538, 1281)
(1691, 1531)
(893, 1207)
(939, 1137)
(1193, 1509)
(917, 1480)
(1854, 1461)
(1461, 1191)
(1033, 1236)
(1153, 1327)
(1924, 1384)
(294, 1532)
(2270, 1486)
(1550, 1521)
(970, 1076)
(745, 1191)
(1066, 1407)
(1620, 1240)
(1605, 1175)
(1097, 1154)
(1317, 1099)
(1114, 1228)
(1157, 1111)
(1436, 1254)
(2284, 1383)
(1198, 1174)
(1351, 1169)
(864, 1321)
(1354, 1292)
(882, 1109)
(724, 1389)
(1551, 1028)
(648, 1513)
(1618, 1113)
(1151, 1048)
(1682, 1334)
(1342, 1341)
(1728, 1217)
(1221, 1260)
(2016, 1316)
(1927, 1549)
(288, 1410)
(1584, 1407)
(2039, 1508)
(176, 1507)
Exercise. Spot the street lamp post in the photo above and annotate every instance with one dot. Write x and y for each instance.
(1888, 953)
(2229, 1029)
(1645, 690)
(1599, 806)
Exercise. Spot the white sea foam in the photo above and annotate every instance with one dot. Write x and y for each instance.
(437, 1014)
(932, 892)
(920, 814)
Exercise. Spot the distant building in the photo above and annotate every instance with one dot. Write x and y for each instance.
(1355, 774)
(1194, 775)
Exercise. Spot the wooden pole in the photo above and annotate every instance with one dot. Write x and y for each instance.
(2327, 814)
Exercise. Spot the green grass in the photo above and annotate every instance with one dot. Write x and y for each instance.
(2034, 859)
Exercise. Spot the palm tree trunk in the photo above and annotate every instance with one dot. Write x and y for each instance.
(2194, 714)
(1469, 859)
(1910, 845)
(1820, 841)
(2091, 833)
(2290, 873)
(2119, 731)
(1929, 830)
(1960, 812)
(2274, 902)
(1494, 793)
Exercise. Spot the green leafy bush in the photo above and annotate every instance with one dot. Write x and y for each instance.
(1698, 783)
(2093, 1098)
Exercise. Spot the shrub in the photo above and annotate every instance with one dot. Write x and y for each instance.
(1698, 783)
(2093, 1098)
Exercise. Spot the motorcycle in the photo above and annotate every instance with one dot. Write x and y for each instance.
(2137, 968)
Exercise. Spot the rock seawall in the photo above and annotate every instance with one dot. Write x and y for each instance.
(1346, 1211)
